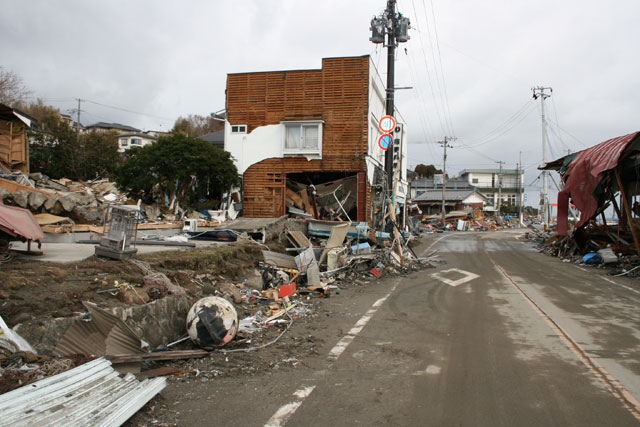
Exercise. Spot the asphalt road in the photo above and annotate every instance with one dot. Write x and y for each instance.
(499, 336)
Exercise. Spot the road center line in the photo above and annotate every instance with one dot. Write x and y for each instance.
(610, 383)
(342, 345)
(286, 411)
(282, 415)
(621, 285)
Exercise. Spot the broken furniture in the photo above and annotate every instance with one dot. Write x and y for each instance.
(120, 229)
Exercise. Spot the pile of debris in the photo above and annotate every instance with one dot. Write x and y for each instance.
(467, 220)
(80, 202)
(595, 244)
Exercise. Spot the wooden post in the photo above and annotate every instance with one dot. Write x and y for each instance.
(628, 210)
(621, 223)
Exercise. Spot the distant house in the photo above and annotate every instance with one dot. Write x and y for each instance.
(492, 182)
(420, 186)
(430, 202)
(106, 127)
(134, 139)
(214, 138)
(14, 146)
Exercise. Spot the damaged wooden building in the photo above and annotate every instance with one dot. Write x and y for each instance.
(14, 143)
(306, 141)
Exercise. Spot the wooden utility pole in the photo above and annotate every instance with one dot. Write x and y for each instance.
(445, 144)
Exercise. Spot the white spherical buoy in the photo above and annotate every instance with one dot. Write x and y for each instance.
(212, 322)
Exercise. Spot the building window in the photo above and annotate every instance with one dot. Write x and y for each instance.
(303, 138)
(123, 142)
(136, 141)
(474, 180)
(239, 129)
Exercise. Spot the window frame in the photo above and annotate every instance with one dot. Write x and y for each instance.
(239, 129)
(303, 150)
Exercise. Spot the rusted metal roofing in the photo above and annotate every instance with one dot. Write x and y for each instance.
(18, 222)
(92, 394)
(584, 174)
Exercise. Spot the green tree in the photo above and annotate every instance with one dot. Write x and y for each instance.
(177, 165)
(58, 151)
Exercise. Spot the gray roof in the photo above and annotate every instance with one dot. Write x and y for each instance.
(430, 183)
(215, 138)
(115, 126)
(449, 195)
(142, 135)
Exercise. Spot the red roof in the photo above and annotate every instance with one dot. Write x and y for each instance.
(584, 174)
(18, 222)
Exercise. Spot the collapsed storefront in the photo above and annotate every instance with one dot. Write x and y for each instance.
(603, 176)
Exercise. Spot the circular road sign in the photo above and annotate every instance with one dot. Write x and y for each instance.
(387, 124)
(385, 141)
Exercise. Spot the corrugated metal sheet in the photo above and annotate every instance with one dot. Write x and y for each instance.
(92, 394)
(583, 176)
(104, 335)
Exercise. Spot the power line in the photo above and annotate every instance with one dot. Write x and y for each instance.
(126, 110)
(444, 85)
(514, 120)
(426, 66)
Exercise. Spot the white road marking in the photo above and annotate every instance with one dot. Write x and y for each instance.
(286, 411)
(436, 241)
(467, 276)
(342, 345)
(431, 370)
(621, 285)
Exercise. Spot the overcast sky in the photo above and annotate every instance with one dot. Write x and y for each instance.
(471, 64)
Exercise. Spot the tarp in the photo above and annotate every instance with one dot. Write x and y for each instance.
(18, 222)
(584, 175)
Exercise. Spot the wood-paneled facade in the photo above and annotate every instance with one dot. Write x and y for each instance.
(337, 94)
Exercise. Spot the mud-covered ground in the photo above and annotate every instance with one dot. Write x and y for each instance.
(34, 290)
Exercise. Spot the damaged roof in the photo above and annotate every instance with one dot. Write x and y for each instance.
(588, 174)
(19, 222)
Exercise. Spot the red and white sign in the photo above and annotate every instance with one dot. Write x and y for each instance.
(387, 124)
(385, 141)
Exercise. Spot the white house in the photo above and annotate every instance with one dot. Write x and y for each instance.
(136, 139)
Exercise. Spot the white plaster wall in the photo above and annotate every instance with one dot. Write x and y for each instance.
(250, 148)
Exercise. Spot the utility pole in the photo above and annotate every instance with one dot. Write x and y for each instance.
(445, 144)
(499, 189)
(540, 92)
(77, 125)
(520, 189)
(395, 27)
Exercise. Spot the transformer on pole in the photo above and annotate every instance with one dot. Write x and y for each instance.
(396, 28)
